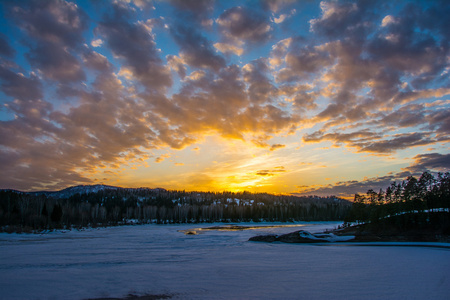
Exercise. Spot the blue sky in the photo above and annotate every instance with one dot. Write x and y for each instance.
(280, 96)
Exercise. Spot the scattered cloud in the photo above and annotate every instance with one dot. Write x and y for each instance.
(161, 158)
(196, 50)
(399, 141)
(431, 162)
(347, 189)
(229, 48)
(276, 5)
(388, 20)
(130, 42)
(276, 147)
(270, 172)
(245, 25)
(85, 92)
(434, 162)
(96, 43)
(283, 17)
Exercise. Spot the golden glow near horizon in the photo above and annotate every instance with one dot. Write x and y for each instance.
(285, 97)
(219, 164)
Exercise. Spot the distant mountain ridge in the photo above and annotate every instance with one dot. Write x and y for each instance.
(70, 191)
(79, 189)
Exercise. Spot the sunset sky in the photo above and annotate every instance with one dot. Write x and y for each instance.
(292, 97)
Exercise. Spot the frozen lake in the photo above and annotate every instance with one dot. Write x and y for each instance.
(159, 259)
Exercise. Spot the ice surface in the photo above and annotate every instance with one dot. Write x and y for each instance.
(214, 264)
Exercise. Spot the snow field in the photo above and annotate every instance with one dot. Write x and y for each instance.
(158, 259)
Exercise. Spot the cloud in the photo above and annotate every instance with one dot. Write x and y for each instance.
(177, 64)
(318, 136)
(96, 61)
(347, 189)
(96, 43)
(228, 48)
(276, 147)
(372, 80)
(399, 141)
(404, 49)
(367, 141)
(56, 63)
(271, 172)
(161, 158)
(439, 122)
(406, 116)
(276, 5)
(388, 20)
(279, 51)
(304, 62)
(434, 162)
(55, 22)
(109, 125)
(103, 131)
(260, 87)
(131, 42)
(338, 18)
(56, 27)
(280, 19)
(240, 25)
(431, 162)
(358, 60)
(283, 17)
(17, 85)
(196, 50)
(220, 102)
(411, 96)
(38, 170)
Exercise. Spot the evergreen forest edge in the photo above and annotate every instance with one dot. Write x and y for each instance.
(422, 203)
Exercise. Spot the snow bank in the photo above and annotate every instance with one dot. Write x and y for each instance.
(157, 259)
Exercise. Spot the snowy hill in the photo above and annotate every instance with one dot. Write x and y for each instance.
(84, 189)
(79, 189)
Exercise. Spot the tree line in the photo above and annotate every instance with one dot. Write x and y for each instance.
(422, 203)
(37, 211)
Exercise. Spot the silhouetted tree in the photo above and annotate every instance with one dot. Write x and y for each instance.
(56, 214)
(410, 204)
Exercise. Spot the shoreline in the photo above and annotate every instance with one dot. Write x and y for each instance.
(364, 233)
(358, 234)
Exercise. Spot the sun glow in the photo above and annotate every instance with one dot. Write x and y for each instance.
(279, 97)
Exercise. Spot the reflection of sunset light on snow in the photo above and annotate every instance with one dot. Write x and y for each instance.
(237, 228)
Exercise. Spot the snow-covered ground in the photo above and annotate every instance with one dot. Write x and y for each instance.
(214, 264)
